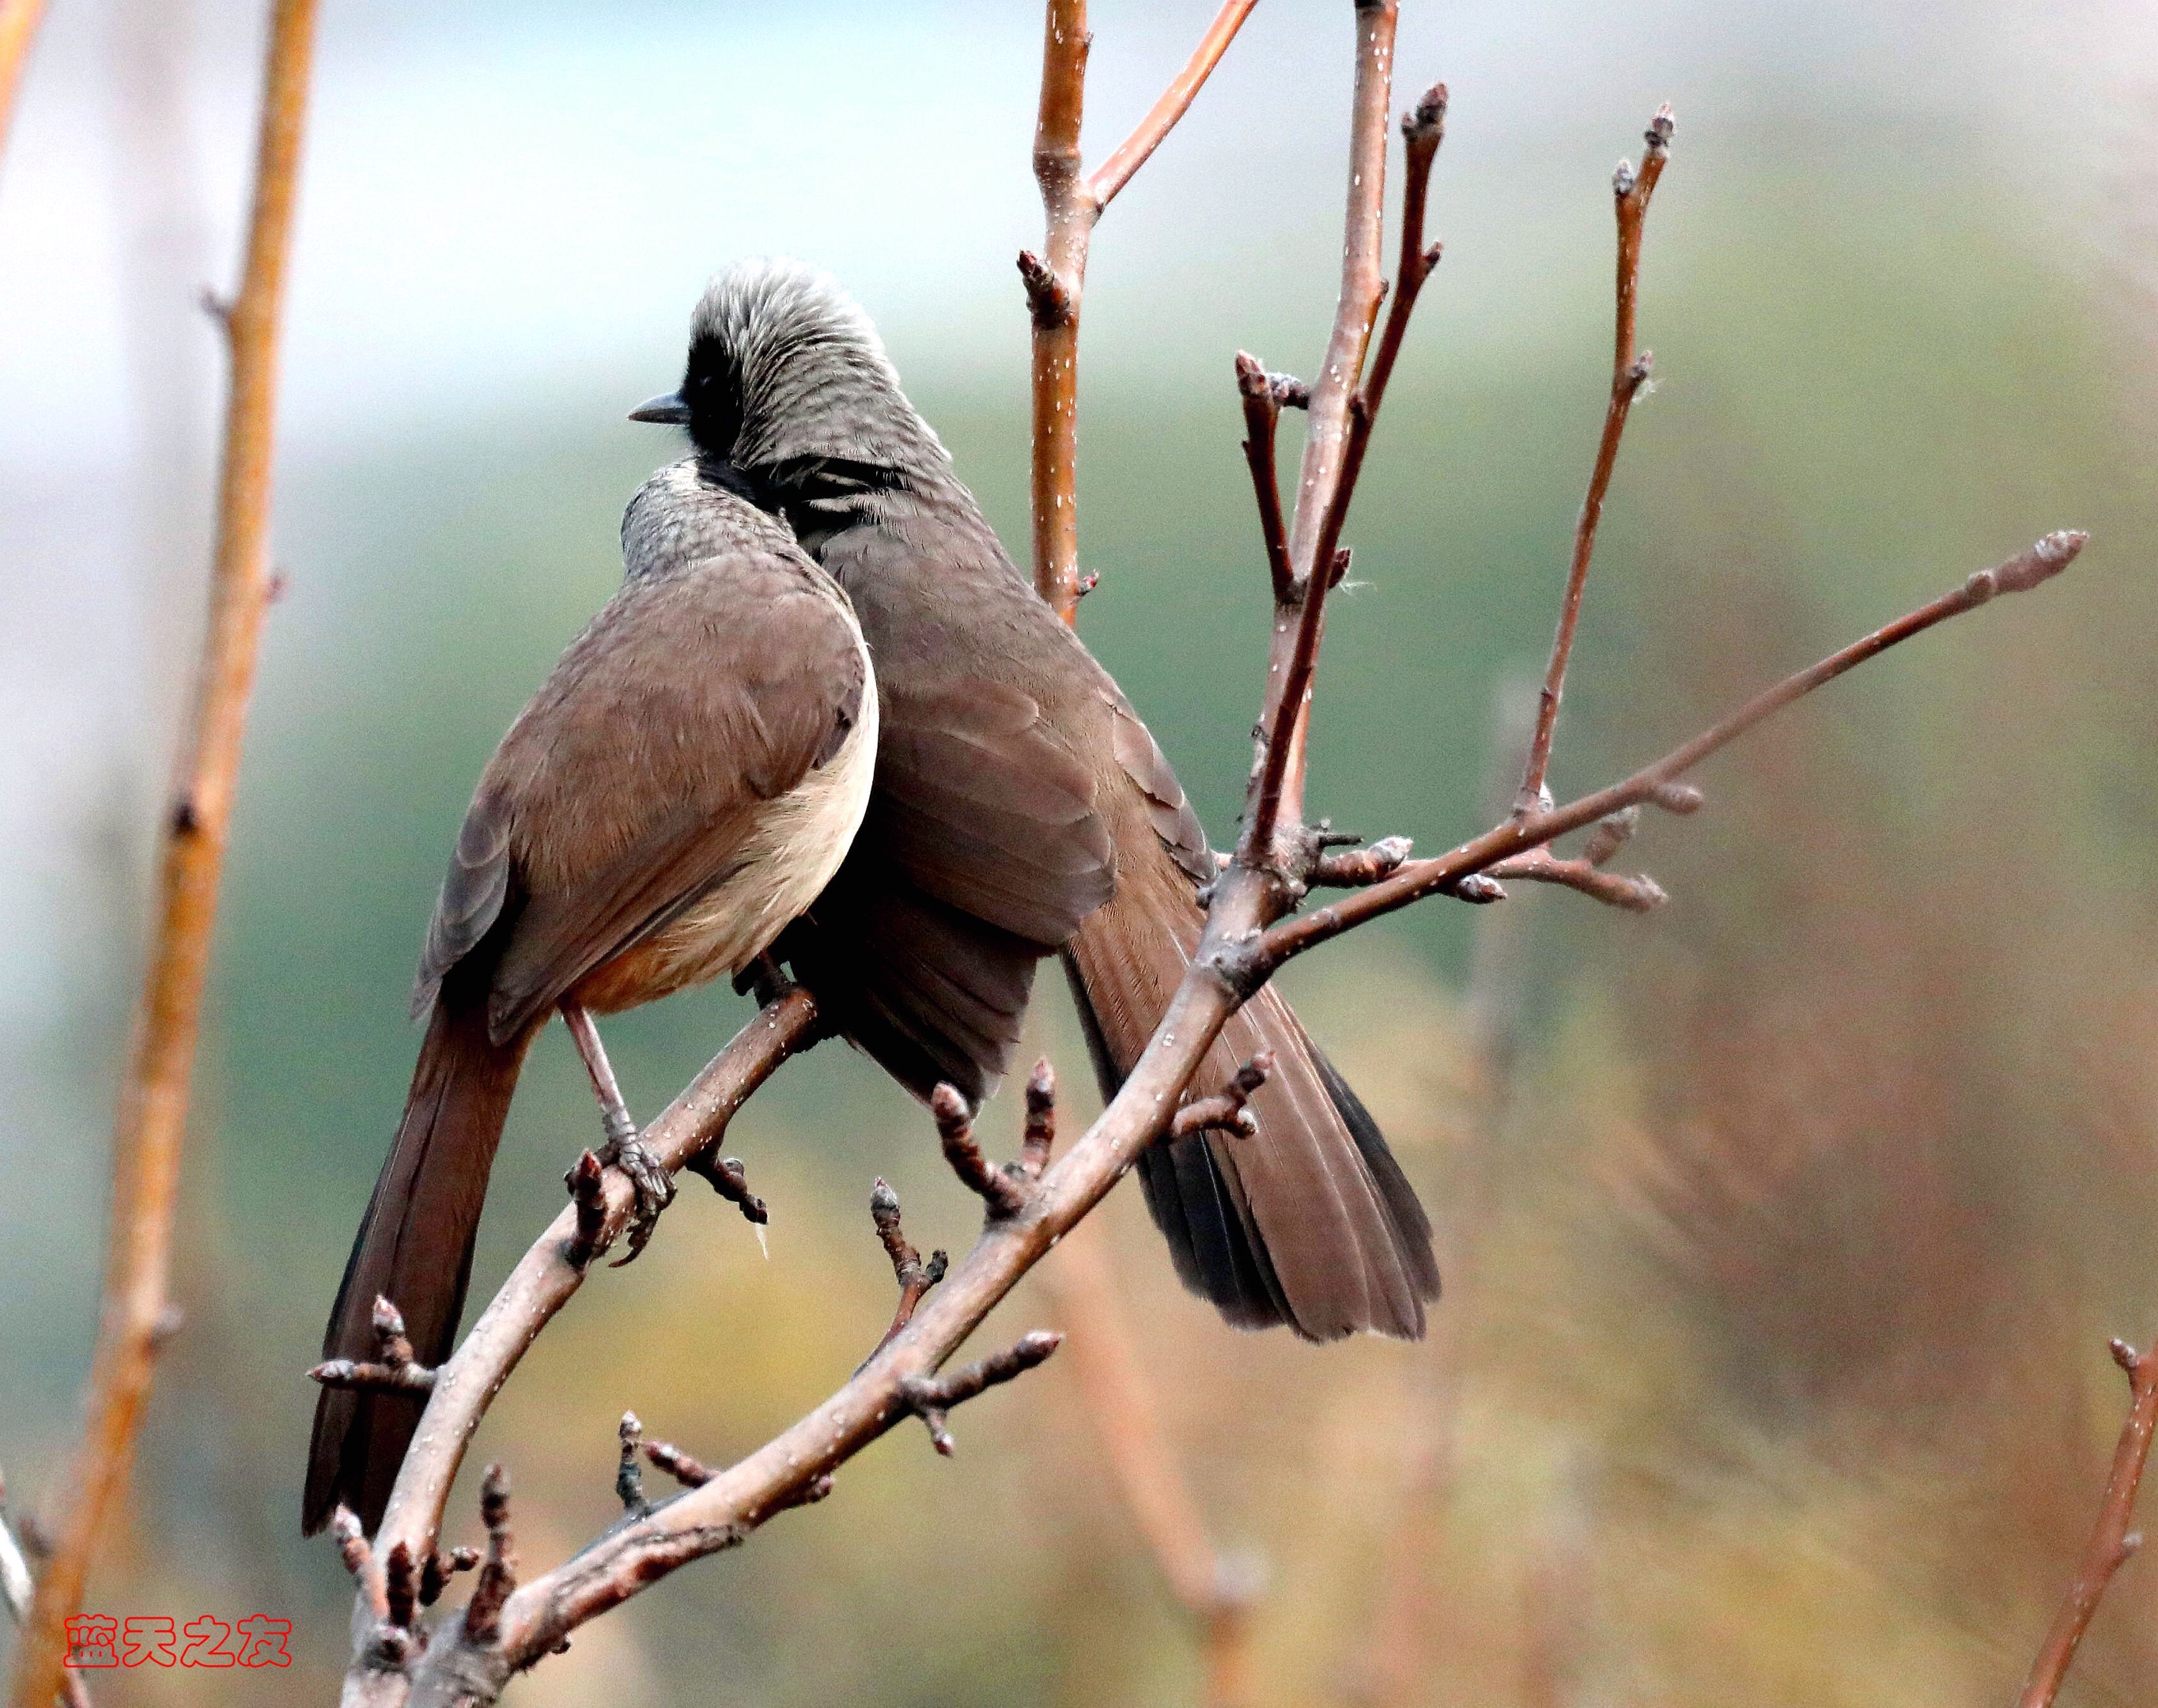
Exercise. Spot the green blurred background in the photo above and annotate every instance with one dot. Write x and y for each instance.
(1784, 1229)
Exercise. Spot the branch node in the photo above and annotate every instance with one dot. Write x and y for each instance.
(399, 1586)
(629, 1475)
(730, 1180)
(915, 1278)
(686, 1468)
(497, 1575)
(1366, 865)
(393, 1369)
(929, 1398)
(1002, 1194)
(586, 1181)
(435, 1575)
(1047, 298)
(1681, 800)
(1477, 890)
(1612, 832)
(1426, 121)
(1658, 136)
(1041, 1129)
(1225, 1112)
(352, 1540)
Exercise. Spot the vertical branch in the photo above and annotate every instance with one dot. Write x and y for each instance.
(1277, 786)
(1120, 1405)
(1056, 280)
(18, 28)
(1629, 373)
(2111, 1542)
(153, 1105)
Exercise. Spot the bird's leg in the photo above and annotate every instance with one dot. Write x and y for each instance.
(655, 1187)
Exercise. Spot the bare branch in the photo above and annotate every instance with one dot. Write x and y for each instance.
(1637, 893)
(1262, 408)
(1351, 869)
(730, 1178)
(1276, 792)
(395, 1370)
(915, 1276)
(930, 1397)
(1115, 171)
(686, 1468)
(1629, 373)
(1001, 1193)
(1653, 782)
(1225, 1112)
(1056, 280)
(1039, 1136)
(497, 1575)
(629, 1475)
(154, 1095)
(2112, 1543)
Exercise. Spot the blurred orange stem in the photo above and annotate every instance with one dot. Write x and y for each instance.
(2111, 1543)
(1099, 1350)
(153, 1106)
(18, 28)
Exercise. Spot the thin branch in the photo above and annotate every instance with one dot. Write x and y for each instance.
(1276, 792)
(18, 28)
(1225, 1110)
(2112, 1543)
(1635, 892)
(393, 1372)
(1262, 408)
(1038, 1137)
(915, 1276)
(153, 1106)
(1002, 1192)
(18, 1591)
(1115, 171)
(1656, 783)
(551, 1272)
(1056, 280)
(1629, 373)
(930, 1397)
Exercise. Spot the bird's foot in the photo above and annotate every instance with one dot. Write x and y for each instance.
(654, 1185)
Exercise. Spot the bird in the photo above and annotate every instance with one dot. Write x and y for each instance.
(1021, 809)
(686, 780)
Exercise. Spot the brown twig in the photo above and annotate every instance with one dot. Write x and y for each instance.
(1656, 783)
(1629, 373)
(1038, 1137)
(1056, 280)
(1353, 868)
(18, 28)
(153, 1104)
(930, 1397)
(1276, 792)
(915, 1278)
(2112, 1543)
(1225, 1111)
(730, 1178)
(497, 1573)
(686, 1468)
(629, 1475)
(18, 1591)
(435, 1574)
(393, 1371)
(1003, 1194)
(1635, 892)
(1262, 408)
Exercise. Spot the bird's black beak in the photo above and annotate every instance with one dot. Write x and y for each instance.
(670, 410)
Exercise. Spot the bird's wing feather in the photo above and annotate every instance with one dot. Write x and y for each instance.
(629, 785)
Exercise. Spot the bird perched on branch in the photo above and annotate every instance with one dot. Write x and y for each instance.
(689, 777)
(1021, 808)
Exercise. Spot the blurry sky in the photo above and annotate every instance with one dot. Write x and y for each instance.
(1865, 1111)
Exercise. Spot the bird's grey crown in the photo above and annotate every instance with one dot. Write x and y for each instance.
(680, 517)
(814, 378)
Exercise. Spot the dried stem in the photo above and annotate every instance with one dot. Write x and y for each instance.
(1055, 281)
(153, 1105)
(2112, 1542)
(1629, 373)
(1656, 783)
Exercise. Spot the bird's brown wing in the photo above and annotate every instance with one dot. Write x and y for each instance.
(631, 784)
(981, 852)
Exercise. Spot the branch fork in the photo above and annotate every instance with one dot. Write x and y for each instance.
(930, 1397)
(393, 1370)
